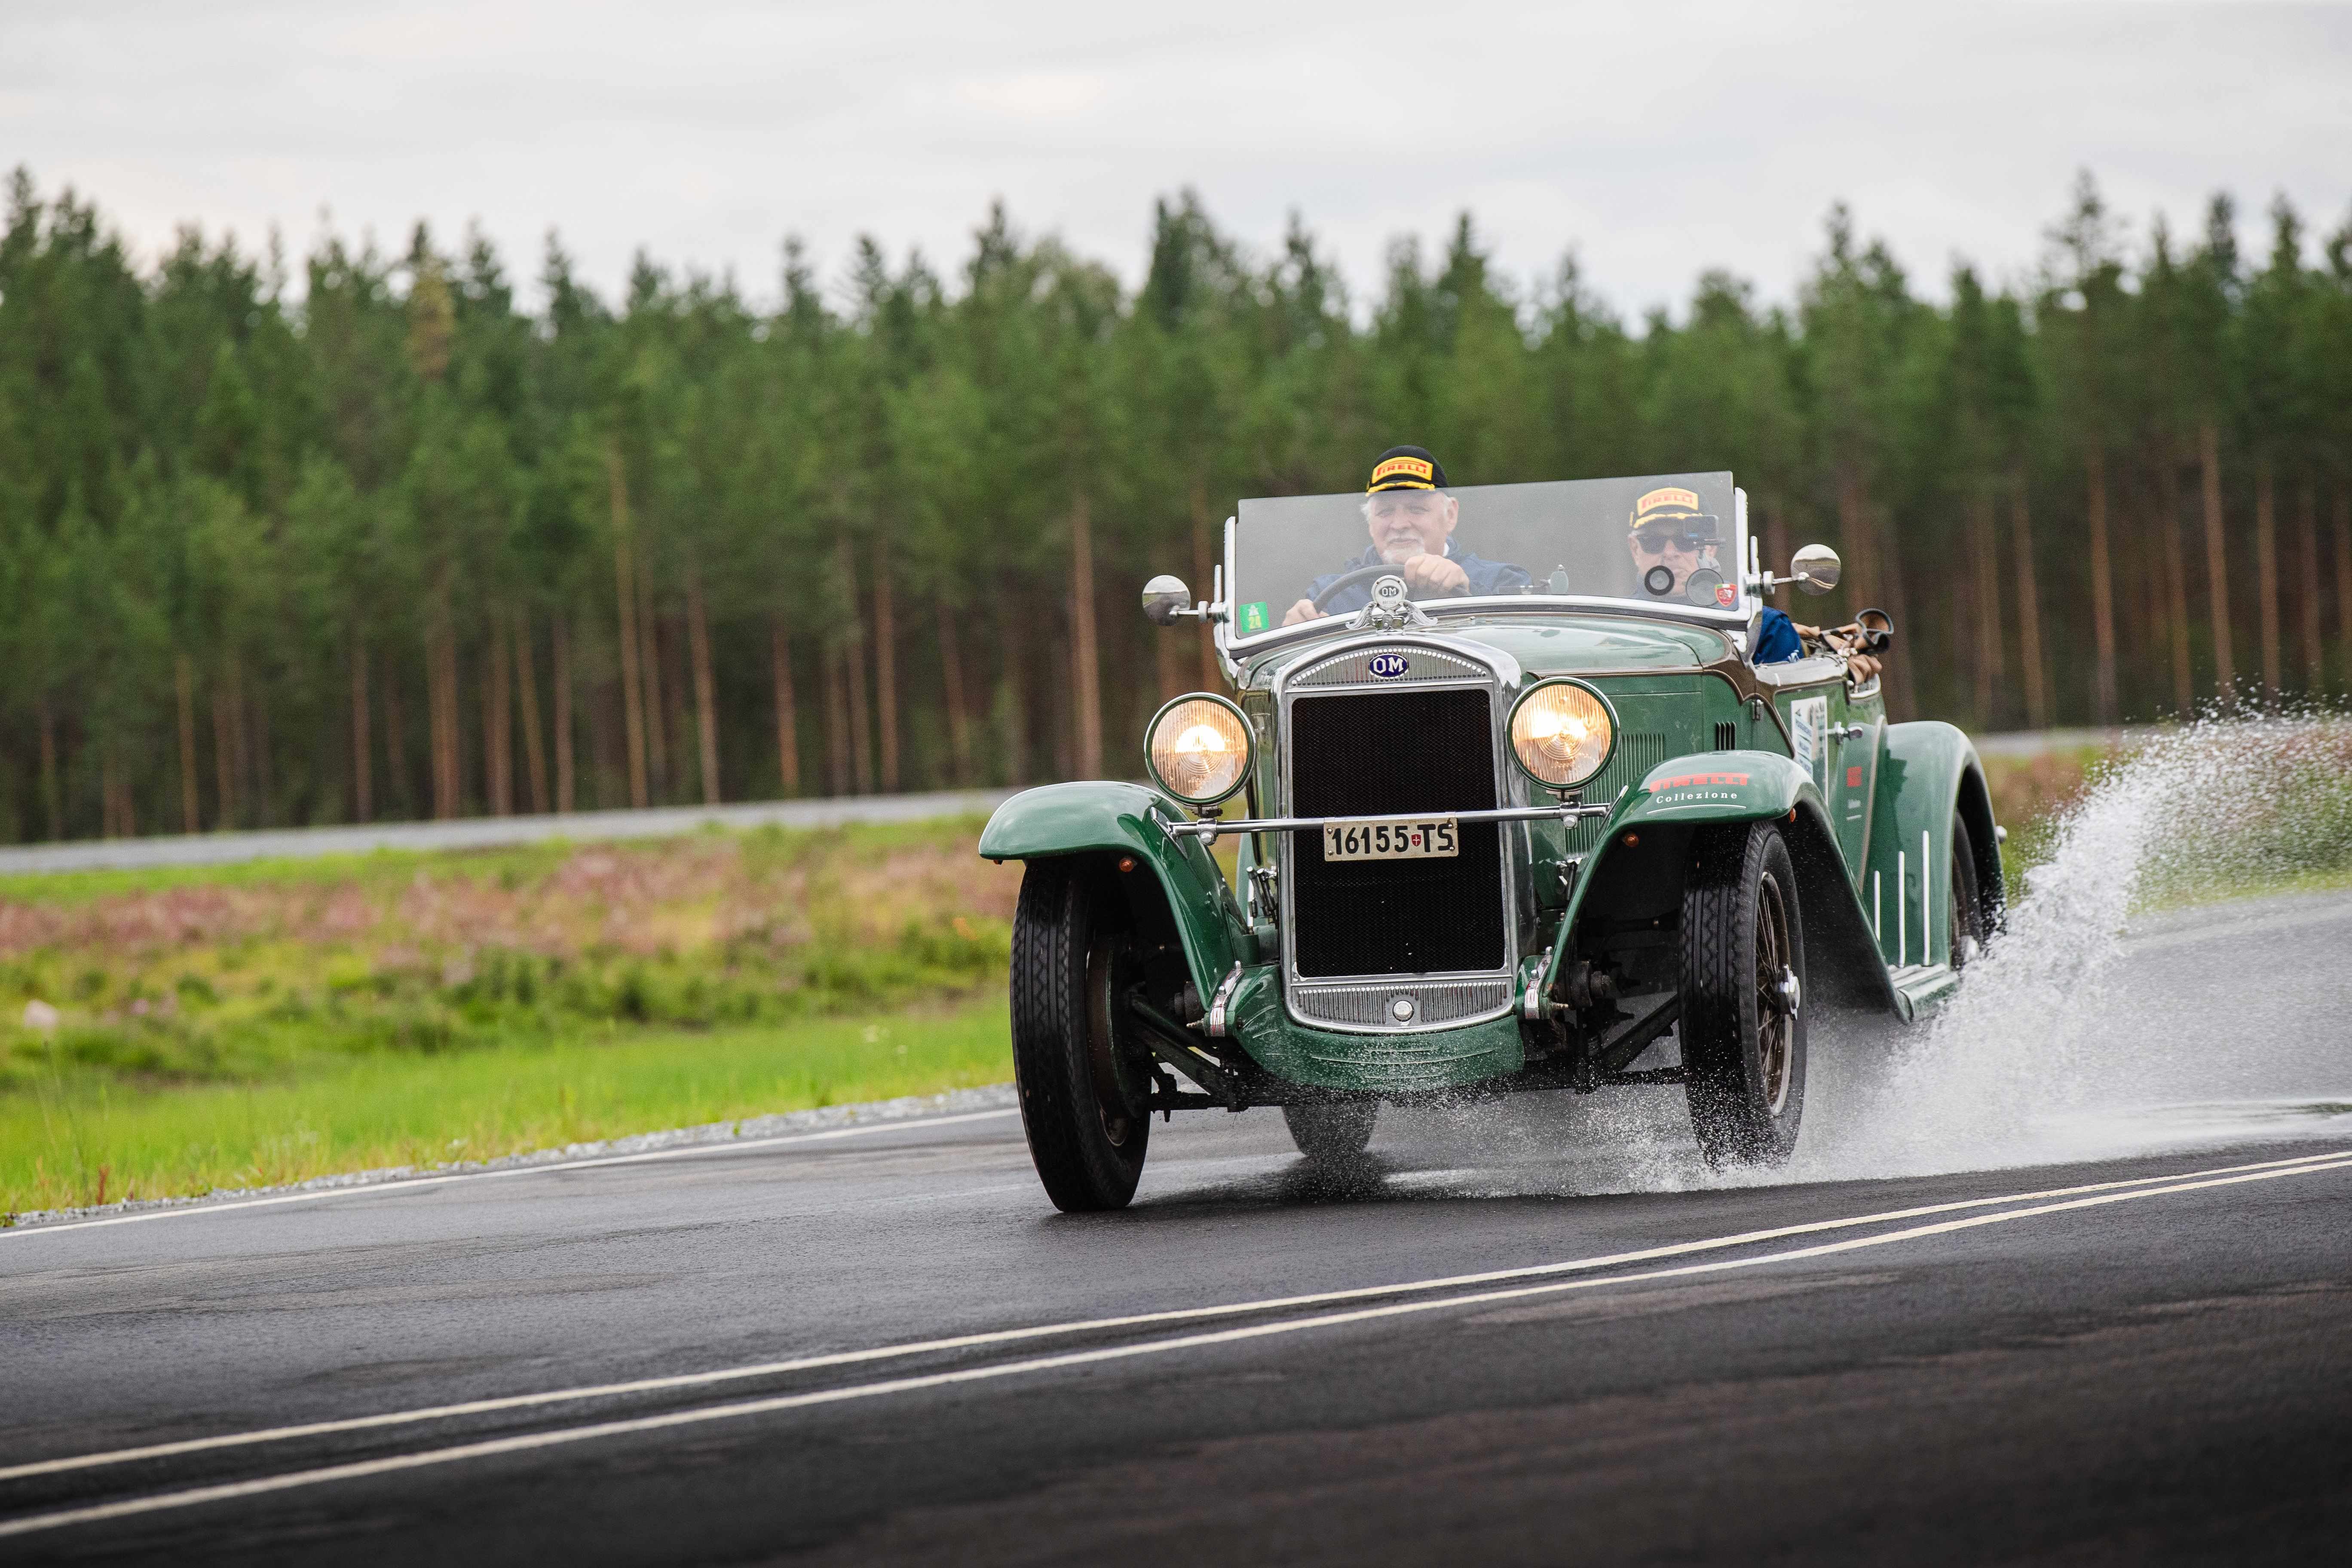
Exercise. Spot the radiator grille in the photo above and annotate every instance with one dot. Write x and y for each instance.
(1386, 753)
(1434, 1003)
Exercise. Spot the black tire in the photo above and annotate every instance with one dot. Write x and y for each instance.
(1331, 1129)
(1742, 1025)
(1968, 915)
(1082, 1088)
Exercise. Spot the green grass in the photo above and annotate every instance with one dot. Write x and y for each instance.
(76, 1135)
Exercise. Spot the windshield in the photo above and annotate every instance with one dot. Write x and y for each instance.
(1666, 539)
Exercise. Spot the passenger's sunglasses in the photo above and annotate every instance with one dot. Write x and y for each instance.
(1688, 543)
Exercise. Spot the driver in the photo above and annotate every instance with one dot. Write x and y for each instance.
(1410, 515)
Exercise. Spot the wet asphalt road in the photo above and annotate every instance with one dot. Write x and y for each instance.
(2130, 1341)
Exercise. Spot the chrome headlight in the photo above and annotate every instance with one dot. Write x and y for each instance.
(1562, 732)
(1198, 748)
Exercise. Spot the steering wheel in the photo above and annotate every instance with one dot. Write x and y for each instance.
(1345, 580)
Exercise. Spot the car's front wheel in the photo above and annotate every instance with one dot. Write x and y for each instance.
(1083, 1091)
(1743, 977)
(1331, 1129)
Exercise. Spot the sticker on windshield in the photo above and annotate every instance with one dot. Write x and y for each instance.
(1726, 594)
(1251, 617)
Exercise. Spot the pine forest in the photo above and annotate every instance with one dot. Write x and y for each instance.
(362, 537)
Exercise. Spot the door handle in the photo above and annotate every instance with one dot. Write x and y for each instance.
(1848, 731)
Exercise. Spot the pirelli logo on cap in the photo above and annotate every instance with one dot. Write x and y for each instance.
(1418, 473)
(1669, 497)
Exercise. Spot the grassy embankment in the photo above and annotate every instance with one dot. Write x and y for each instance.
(257, 1024)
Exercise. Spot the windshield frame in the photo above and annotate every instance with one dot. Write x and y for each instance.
(1734, 619)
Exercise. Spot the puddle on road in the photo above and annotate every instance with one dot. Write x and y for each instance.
(2063, 1045)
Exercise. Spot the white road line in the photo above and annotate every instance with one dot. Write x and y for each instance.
(492, 1448)
(1087, 1325)
(410, 1183)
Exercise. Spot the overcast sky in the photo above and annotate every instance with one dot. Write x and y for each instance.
(1654, 139)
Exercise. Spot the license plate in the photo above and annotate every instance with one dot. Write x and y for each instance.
(1434, 837)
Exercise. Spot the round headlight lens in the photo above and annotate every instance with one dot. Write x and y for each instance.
(1561, 733)
(1198, 748)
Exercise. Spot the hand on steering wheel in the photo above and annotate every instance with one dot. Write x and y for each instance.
(1347, 579)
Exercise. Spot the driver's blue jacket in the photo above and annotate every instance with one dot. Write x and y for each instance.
(1485, 577)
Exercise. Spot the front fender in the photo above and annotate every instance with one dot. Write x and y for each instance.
(1100, 817)
(1689, 791)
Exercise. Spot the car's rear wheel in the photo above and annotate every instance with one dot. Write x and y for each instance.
(1082, 1088)
(1968, 915)
(1332, 1129)
(1743, 975)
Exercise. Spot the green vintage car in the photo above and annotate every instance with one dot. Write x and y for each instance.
(1499, 828)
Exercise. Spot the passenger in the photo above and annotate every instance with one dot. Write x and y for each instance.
(1410, 516)
(1670, 532)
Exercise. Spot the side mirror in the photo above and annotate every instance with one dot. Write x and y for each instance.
(1165, 601)
(1815, 568)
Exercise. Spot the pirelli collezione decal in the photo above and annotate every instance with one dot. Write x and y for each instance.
(1696, 789)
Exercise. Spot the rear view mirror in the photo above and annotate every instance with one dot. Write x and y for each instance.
(1166, 600)
(1815, 568)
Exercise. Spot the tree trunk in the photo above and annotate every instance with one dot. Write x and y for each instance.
(363, 743)
(2176, 588)
(2103, 592)
(2344, 580)
(566, 779)
(1775, 521)
(788, 718)
(108, 791)
(886, 663)
(257, 753)
(498, 721)
(706, 695)
(534, 747)
(1985, 545)
(2216, 563)
(1085, 657)
(659, 704)
(1204, 577)
(395, 744)
(625, 590)
(853, 673)
(2307, 560)
(952, 694)
(441, 698)
(2029, 611)
(183, 678)
(223, 754)
(1854, 531)
(1902, 698)
(2266, 577)
(52, 798)
(1013, 706)
(837, 720)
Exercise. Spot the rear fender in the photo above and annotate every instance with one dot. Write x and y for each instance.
(1929, 775)
(1636, 869)
(1111, 821)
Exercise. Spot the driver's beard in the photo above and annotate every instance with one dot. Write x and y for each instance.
(1402, 551)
